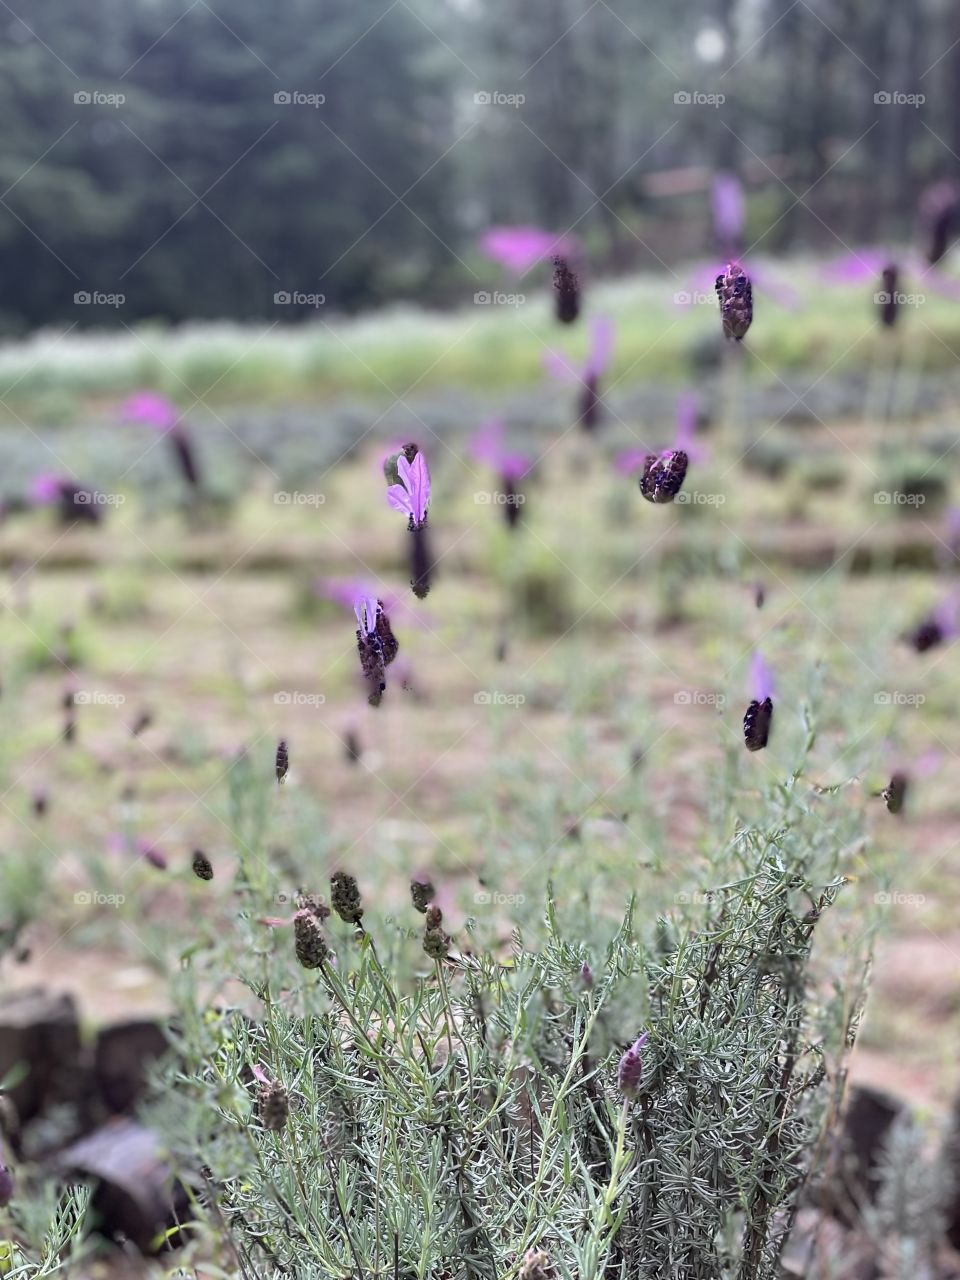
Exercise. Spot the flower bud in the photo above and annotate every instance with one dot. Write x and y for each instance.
(309, 942)
(736, 301)
(345, 897)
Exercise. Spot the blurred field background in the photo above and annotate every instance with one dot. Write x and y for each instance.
(305, 282)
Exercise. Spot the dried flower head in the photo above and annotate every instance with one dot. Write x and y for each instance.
(536, 1265)
(735, 293)
(282, 760)
(435, 942)
(422, 894)
(202, 866)
(630, 1070)
(273, 1106)
(895, 792)
(309, 942)
(663, 474)
(566, 289)
(345, 897)
(939, 209)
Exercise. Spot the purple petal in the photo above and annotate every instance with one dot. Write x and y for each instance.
(520, 248)
(729, 211)
(855, 268)
(150, 409)
(45, 487)
(629, 461)
(761, 681)
(487, 445)
(601, 346)
(559, 367)
(365, 607)
(398, 497)
(416, 478)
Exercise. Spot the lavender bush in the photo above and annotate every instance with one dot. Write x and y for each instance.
(406, 1104)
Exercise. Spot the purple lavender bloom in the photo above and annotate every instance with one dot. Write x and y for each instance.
(939, 625)
(376, 645)
(770, 287)
(759, 714)
(867, 266)
(412, 495)
(735, 292)
(75, 502)
(488, 446)
(939, 209)
(347, 591)
(149, 409)
(729, 211)
(45, 488)
(599, 355)
(519, 249)
(630, 1070)
(663, 475)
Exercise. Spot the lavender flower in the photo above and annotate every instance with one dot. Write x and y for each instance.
(599, 354)
(939, 625)
(867, 266)
(202, 866)
(663, 475)
(887, 298)
(566, 288)
(630, 1070)
(488, 447)
(422, 893)
(729, 211)
(282, 762)
(759, 715)
(309, 943)
(345, 897)
(895, 792)
(148, 409)
(376, 645)
(735, 293)
(74, 502)
(412, 497)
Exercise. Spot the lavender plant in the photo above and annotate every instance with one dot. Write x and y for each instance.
(392, 1101)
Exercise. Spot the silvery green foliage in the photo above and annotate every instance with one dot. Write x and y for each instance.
(46, 1229)
(446, 1119)
(907, 1221)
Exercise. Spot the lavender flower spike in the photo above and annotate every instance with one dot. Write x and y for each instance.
(759, 715)
(630, 1071)
(729, 213)
(736, 301)
(376, 644)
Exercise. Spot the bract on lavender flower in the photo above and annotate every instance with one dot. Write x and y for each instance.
(759, 715)
(519, 249)
(735, 293)
(376, 644)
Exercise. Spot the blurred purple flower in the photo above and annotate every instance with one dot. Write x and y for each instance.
(411, 496)
(488, 447)
(347, 591)
(759, 714)
(46, 487)
(149, 409)
(520, 248)
(729, 211)
(628, 461)
(868, 266)
(599, 355)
